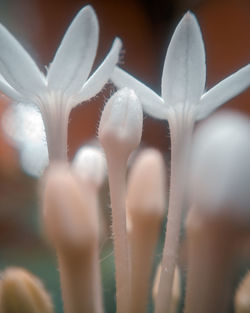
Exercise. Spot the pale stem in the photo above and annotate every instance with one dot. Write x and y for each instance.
(180, 131)
(78, 286)
(71, 220)
(80, 271)
(211, 263)
(56, 129)
(117, 184)
(142, 243)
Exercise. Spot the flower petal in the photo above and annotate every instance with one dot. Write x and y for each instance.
(75, 56)
(224, 91)
(184, 72)
(151, 102)
(8, 90)
(100, 77)
(17, 67)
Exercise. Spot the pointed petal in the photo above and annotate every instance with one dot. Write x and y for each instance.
(224, 91)
(17, 67)
(6, 89)
(184, 72)
(152, 103)
(75, 56)
(100, 77)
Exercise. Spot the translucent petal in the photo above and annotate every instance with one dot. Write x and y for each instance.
(100, 77)
(75, 56)
(151, 102)
(184, 72)
(17, 67)
(224, 91)
(8, 90)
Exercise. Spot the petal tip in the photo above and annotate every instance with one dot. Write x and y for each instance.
(118, 42)
(88, 8)
(88, 12)
(190, 18)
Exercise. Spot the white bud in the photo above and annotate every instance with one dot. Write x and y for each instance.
(147, 186)
(220, 178)
(120, 126)
(90, 165)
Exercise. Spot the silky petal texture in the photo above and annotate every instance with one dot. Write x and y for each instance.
(9, 91)
(75, 56)
(224, 91)
(151, 102)
(17, 67)
(184, 71)
(100, 77)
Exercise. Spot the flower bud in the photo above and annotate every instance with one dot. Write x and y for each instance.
(22, 292)
(120, 126)
(90, 164)
(220, 176)
(69, 216)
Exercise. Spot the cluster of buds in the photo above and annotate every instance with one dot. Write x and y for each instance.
(215, 164)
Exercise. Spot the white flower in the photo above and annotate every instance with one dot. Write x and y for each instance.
(182, 101)
(183, 78)
(66, 83)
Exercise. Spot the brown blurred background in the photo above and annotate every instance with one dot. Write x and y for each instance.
(145, 28)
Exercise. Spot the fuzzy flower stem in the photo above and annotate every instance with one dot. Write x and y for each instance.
(78, 284)
(213, 243)
(117, 183)
(56, 128)
(180, 138)
(71, 221)
(120, 132)
(146, 204)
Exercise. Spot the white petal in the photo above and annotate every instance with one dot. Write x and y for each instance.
(224, 91)
(17, 67)
(184, 72)
(151, 102)
(8, 90)
(100, 77)
(75, 56)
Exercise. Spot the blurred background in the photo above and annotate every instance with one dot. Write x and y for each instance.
(145, 28)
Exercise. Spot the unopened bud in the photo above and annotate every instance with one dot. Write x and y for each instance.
(147, 186)
(22, 292)
(120, 126)
(68, 214)
(90, 165)
(220, 176)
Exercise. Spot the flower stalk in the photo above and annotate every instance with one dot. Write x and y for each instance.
(71, 223)
(146, 204)
(180, 145)
(120, 132)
